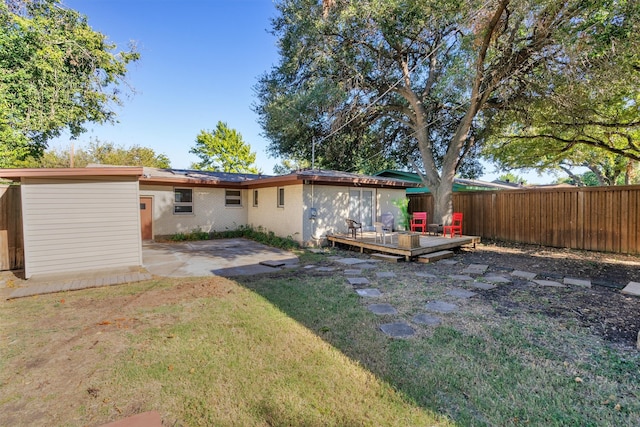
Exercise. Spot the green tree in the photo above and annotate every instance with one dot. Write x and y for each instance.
(591, 109)
(223, 151)
(56, 74)
(287, 166)
(511, 177)
(420, 78)
(104, 153)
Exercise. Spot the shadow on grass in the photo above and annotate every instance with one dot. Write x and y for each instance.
(520, 370)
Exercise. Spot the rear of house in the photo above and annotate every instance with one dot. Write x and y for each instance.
(97, 217)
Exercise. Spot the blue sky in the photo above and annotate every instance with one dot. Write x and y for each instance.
(199, 63)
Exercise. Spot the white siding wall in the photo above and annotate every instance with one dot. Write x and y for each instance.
(209, 210)
(80, 224)
(283, 221)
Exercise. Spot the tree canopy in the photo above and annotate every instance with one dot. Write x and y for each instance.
(223, 150)
(104, 153)
(418, 81)
(56, 74)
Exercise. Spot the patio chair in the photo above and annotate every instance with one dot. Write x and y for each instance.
(419, 222)
(455, 227)
(353, 226)
(382, 231)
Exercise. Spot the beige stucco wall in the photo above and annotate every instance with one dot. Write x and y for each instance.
(209, 210)
(282, 221)
(386, 196)
(80, 224)
(332, 206)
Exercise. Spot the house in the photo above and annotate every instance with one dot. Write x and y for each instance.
(459, 184)
(96, 217)
(305, 205)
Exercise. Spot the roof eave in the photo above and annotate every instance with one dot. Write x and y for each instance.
(17, 174)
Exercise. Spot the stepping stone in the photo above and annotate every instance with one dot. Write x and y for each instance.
(389, 258)
(397, 330)
(550, 275)
(441, 307)
(334, 257)
(385, 274)
(427, 275)
(549, 283)
(316, 250)
(496, 279)
(460, 277)
(476, 269)
(309, 266)
(369, 292)
(577, 282)
(447, 262)
(382, 309)
(358, 281)
(351, 261)
(353, 272)
(633, 288)
(482, 285)
(460, 293)
(523, 274)
(426, 319)
(326, 269)
(367, 266)
(435, 256)
(272, 263)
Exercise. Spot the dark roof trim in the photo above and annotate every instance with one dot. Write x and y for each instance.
(72, 173)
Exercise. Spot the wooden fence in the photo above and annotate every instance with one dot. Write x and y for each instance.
(593, 218)
(11, 244)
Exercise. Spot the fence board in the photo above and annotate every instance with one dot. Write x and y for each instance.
(11, 221)
(593, 218)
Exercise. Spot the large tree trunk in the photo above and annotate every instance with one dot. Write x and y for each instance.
(442, 202)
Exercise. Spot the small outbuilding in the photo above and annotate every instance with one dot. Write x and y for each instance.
(79, 218)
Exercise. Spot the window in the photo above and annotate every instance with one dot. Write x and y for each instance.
(232, 198)
(183, 201)
(280, 197)
(255, 197)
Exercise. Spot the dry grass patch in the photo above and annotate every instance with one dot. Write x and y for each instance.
(201, 352)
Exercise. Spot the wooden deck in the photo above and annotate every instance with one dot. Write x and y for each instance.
(428, 244)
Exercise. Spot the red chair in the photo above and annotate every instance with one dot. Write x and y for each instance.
(419, 221)
(455, 227)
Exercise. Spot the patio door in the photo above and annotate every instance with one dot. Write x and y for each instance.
(361, 206)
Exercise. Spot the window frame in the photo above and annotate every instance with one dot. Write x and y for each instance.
(280, 197)
(255, 198)
(182, 204)
(228, 197)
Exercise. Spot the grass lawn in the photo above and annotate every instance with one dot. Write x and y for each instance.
(201, 352)
(300, 348)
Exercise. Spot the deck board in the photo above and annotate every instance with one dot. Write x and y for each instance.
(428, 244)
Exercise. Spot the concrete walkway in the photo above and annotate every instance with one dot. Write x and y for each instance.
(224, 257)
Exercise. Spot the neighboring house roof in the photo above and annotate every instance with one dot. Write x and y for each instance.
(459, 184)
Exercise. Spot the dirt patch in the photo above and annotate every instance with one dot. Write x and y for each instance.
(601, 308)
(57, 344)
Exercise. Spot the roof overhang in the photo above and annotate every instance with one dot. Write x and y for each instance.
(327, 179)
(70, 173)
